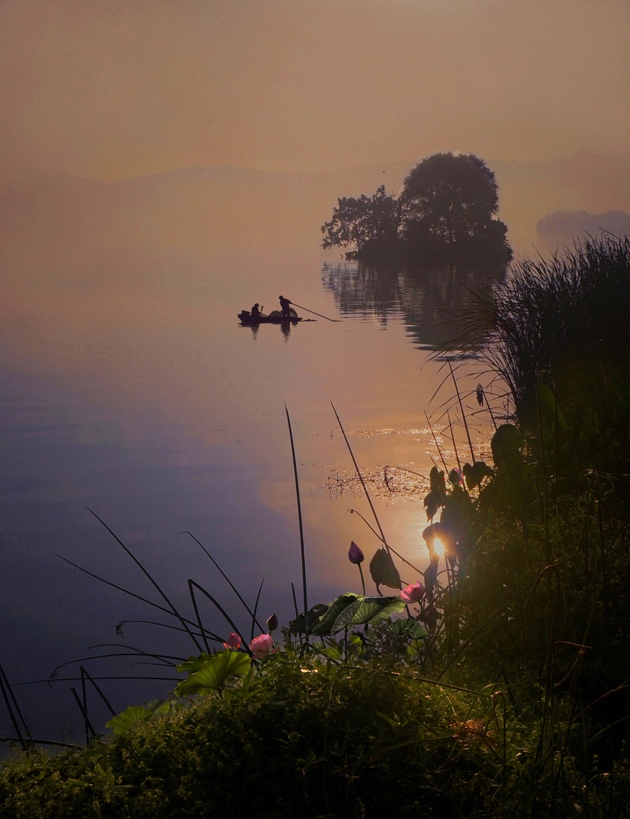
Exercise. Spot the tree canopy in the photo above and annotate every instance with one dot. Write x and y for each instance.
(447, 205)
(362, 220)
(452, 197)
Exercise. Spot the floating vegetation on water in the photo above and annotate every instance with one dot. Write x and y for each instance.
(389, 484)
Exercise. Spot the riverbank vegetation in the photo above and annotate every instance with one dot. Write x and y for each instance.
(445, 210)
(495, 682)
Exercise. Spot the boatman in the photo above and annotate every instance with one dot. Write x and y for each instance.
(285, 304)
(256, 312)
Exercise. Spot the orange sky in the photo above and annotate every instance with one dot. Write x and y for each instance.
(117, 88)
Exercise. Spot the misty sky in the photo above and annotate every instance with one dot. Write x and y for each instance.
(117, 88)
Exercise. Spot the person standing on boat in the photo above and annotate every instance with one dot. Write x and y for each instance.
(285, 304)
(256, 312)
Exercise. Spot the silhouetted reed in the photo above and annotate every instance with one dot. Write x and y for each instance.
(560, 319)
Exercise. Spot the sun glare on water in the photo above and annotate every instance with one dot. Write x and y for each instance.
(438, 547)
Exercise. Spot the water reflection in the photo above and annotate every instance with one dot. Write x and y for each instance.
(427, 298)
(285, 329)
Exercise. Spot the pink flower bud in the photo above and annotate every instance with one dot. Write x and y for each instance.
(413, 592)
(355, 555)
(261, 646)
(233, 641)
(272, 623)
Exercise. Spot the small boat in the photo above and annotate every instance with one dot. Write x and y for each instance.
(275, 317)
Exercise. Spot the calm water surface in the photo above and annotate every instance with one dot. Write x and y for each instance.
(131, 390)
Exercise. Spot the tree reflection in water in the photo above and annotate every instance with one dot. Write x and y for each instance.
(428, 298)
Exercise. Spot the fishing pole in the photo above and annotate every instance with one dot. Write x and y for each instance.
(314, 313)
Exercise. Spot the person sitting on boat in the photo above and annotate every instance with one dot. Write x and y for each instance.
(256, 312)
(285, 304)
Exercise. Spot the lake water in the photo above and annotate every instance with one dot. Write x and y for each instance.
(131, 390)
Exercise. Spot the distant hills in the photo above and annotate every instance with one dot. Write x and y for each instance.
(563, 225)
(63, 222)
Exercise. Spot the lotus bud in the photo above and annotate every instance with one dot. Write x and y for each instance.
(272, 623)
(355, 555)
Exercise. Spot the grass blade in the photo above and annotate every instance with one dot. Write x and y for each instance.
(299, 507)
(146, 573)
(231, 585)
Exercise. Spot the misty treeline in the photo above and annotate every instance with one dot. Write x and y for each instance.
(447, 206)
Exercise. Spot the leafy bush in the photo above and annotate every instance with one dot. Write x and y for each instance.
(303, 737)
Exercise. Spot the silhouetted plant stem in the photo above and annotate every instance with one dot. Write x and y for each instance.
(122, 623)
(435, 440)
(295, 605)
(16, 705)
(461, 406)
(231, 585)
(362, 579)
(88, 725)
(299, 507)
(7, 696)
(450, 426)
(198, 616)
(84, 672)
(398, 555)
(360, 476)
(400, 469)
(154, 583)
(136, 652)
(47, 742)
(139, 597)
(50, 681)
(254, 621)
(85, 708)
(193, 585)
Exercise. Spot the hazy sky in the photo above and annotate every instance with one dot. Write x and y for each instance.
(118, 88)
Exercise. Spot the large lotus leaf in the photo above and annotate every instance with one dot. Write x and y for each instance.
(214, 673)
(298, 626)
(367, 610)
(408, 627)
(323, 626)
(135, 713)
(475, 473)
(436, 478)
(383, 571)
(193, 664)
(433, 501)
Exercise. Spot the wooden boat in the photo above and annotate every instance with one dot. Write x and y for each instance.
(275, 317)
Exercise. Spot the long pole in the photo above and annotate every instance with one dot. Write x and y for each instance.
(314, 313)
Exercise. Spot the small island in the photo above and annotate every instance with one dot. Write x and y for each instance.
(445, 210)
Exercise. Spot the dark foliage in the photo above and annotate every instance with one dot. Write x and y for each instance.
(445, 210)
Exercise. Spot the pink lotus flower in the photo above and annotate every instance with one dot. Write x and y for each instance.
(261, 646)
(413, 593)
(355, 555)
(233, 641)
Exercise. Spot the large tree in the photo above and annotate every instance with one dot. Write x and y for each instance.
(451, 198)
(364, 220)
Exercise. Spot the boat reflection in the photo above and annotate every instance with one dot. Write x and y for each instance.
(426, 298)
